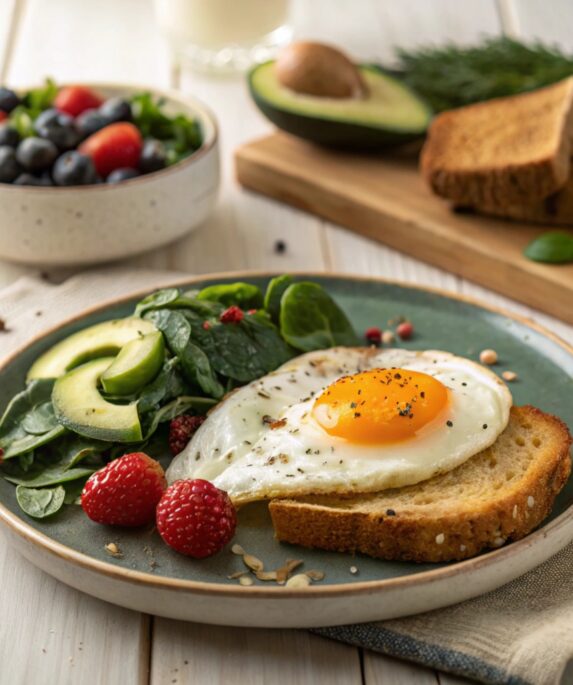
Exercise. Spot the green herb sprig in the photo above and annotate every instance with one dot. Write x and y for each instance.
(451, 76)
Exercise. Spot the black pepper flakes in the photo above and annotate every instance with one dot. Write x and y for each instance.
(390, 512)
(280, 247)
(449, 423)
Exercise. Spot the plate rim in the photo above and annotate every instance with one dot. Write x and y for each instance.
(25, 531)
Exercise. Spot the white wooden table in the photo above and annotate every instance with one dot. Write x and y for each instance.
(54, 635)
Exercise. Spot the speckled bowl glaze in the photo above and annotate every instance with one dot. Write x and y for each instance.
(85, 225)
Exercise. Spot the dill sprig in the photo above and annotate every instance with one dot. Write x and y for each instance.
(451, 76)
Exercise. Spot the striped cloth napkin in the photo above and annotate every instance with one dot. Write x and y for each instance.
(520, 634)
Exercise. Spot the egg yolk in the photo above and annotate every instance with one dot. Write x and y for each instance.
(380, 405)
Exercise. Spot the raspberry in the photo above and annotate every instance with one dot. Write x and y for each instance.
(196, 518)
(232, 315)
(373, 335)
(125, 492)
(181, 429)
(405, 330)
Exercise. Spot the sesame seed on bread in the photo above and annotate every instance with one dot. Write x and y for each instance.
(497, 496)
(508, 150)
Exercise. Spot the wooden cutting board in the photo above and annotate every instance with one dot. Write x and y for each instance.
(384, 198)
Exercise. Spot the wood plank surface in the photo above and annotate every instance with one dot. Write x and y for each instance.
(385, 198)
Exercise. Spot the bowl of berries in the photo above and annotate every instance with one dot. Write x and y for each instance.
(101, 172)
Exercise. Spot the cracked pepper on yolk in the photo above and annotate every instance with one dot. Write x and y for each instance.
(380, 405)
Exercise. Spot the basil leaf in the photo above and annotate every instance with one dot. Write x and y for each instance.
(553, 247)
(244, 295)
(311, 320)
(40, 503)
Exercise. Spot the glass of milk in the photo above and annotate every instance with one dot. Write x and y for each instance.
(224, 35)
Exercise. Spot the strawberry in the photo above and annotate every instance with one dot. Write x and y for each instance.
(74, 100)
(117, 146)
(181, 429)
(195, 518)
(125, 492)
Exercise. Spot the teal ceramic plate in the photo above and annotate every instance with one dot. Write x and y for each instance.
(150, 577)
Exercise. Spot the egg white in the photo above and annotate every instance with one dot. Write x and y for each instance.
(263, 442)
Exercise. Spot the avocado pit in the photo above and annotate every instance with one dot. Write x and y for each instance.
(319, 70)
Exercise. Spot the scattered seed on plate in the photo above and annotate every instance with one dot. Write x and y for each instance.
(113, 550)
(237, 574)
(354, 570)
(300, 580)
(246, 580)
(388, 337)
(509, 376)
(315, 575)
(488, 357)
(238, 550)
(284, 572)
(253, 563)
(266, 575)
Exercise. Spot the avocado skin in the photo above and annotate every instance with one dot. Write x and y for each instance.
(334, 133)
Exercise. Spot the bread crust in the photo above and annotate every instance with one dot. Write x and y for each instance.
(507, 150)
(426, 536)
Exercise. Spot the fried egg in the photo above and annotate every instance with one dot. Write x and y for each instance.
(347, 420)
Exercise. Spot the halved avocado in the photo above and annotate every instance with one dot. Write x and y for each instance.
(389, 115)
(102, 340)
(80, 407)
(135, 366)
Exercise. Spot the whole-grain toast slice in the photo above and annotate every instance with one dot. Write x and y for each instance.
(555, 210)
(508, 150)
(497, 496)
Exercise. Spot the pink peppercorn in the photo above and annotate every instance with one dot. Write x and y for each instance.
(232, 315)
(405, 330)
(373, 335)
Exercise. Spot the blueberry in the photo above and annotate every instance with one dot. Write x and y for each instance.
(153, 156)
(8, 100)
(123, 174)
(9, 136)
(36, 154)
(58, 127)
(90, 121)
(74, 169)
(27, 179)
(9, 167)
(116, 109)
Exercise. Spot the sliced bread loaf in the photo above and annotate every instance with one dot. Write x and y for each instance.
(507, 150)
(497, 496)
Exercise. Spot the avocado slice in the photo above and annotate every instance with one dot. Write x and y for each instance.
(80, 407)
(101, 340)
(135, 366)
(391, 113)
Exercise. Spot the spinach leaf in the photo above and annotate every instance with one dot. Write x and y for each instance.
(274, 293)
(51, 475)
(36, 392)
(41, 419)
(179, 406)
(243, 351)
(40, 503)
(75, 449)
(311, 320)
(244, 295)
(167, 384)
(18, 442)
(158, 299)
(553, 247)
(194, 362)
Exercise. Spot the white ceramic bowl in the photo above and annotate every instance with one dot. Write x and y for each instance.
(89, 224)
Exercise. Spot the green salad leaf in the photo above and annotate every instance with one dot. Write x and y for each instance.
(35, 102)
(244, 295)
(311, 320)
(180, 133)
(273, 295)
(553, 247)
(50, 475)
(40, 503)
